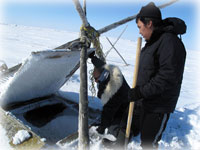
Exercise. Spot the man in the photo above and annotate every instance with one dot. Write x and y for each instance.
(160, 72)
(113, 92)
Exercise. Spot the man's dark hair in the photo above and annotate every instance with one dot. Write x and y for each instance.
(148, 13)
(156, 22)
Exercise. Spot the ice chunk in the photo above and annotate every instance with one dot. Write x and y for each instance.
(21, 136)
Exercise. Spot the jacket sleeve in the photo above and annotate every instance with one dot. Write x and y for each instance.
(115, 105)
(98, 63)
(171, 58)
(109, 111)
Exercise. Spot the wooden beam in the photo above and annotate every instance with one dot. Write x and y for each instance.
(113, 25)
(123, 21)
(81, 13)
(84, 7)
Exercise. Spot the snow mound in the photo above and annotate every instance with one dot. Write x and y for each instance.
(182, 132)
(4, 139)
(21, 136)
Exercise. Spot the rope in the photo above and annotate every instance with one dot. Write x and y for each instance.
(92, 36)
(92, 86)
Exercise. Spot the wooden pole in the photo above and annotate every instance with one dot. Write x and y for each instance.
(81, 13)
(131, 106)
(123, 21)
(84, 7)
(83, 103)
(112, 26)
(83, 97)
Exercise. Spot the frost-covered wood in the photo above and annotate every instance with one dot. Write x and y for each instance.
(84, 7)
(12, 126)
(123, 21)
(81, 13)
(83, 102)
(113, 25)
(83, 97)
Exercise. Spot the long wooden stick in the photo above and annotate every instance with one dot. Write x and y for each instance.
(131, 106)
(81, 13)
(84, 7)
(83, 97)
(123, 21)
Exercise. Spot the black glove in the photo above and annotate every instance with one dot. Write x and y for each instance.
(91, 55)
(96, 124)
(134, 94)
(100, 129)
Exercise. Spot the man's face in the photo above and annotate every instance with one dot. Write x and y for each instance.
(145, 30)
(96, 75)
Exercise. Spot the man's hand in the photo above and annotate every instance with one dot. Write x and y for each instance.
(134, 94)
(91, 55)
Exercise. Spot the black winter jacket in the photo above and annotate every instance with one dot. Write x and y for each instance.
(114, 96)
(161, 69)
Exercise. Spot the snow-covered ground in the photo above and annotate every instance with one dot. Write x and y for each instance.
(182, 132)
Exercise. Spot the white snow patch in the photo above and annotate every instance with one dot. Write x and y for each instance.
(43, 139)
(21, 136)
(4, 144)
(182, 132)
(40, 75)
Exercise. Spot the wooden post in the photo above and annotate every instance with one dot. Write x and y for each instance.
(81, 13)
(83, 103)
(131, 106)
(84, 7)
(83, 97)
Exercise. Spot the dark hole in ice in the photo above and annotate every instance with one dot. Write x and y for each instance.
(42, 115)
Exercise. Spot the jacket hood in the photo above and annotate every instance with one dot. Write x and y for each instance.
(114, 84)
(170, 25)
(174, 25)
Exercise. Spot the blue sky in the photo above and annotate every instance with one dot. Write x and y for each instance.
(62, 15)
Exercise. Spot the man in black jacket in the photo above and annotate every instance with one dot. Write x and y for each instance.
(160, 72)
(113, 92)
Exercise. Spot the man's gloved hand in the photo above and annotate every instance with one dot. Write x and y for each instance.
(100, 129)
(134, 94)
(96, 124)
(91, 55)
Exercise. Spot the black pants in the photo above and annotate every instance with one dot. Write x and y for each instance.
(151, 126)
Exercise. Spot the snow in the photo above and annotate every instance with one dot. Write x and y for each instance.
(95, 140)
(4, 144)
(40, 75)
(21, 136)
(183, 129)
(182, 132)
